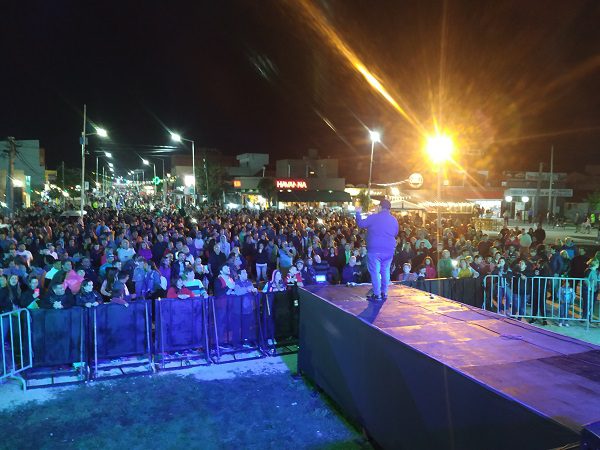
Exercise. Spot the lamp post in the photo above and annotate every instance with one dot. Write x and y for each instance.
(439, 148)
(100, 132)
(108, 155)
(375, 137)
(178, 138)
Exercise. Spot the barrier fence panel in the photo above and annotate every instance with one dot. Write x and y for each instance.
(181, 325)
(465, 290)
(280, 320)
(58, 336)
(15, 340)
(561, 299)
(118, 332)
(235, 326)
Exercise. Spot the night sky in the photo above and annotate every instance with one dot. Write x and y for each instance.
(508, 79)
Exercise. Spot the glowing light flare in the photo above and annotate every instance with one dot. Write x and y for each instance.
(440, 148)
(375, 136)
(319, 23)
(101, 132)
(176, 137)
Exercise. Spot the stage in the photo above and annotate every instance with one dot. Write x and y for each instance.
(424, 372)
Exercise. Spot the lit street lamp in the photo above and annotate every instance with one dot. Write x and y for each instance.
(439, 148)
(178, 138)
(375, 137)
(106, 154)
(100, 132)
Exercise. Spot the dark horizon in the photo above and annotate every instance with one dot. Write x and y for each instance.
(509, 80)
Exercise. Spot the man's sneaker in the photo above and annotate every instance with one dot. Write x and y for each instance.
(384, 296)
(374, 298)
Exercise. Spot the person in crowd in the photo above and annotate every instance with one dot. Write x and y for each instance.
(87, 296)
(590, 288)
(521, 288)
(445, 265)
(224, 287)
(194, 284)
(7, 296)
(125, 253)
(31, 295)
(382, 229)
(179, 290)
(430, 271)
(566, 296)
(120, 292)
(243, 307)
(307, 271)
(541, 272)
(57, 297)
(351, 272)
(503, 289)
(465, 270)
(165, 270)
(579, 263)
(407, 276)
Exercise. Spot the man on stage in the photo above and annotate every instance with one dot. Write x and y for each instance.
(382, 229)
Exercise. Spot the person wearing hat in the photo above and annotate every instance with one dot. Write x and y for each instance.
(382, 229)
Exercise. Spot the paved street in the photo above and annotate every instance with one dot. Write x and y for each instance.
(554, 233)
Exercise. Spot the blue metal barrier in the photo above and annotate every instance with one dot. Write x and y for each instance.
(181, 326)
(235, 327)
(58, 342)
(15, 345)
(118, 332)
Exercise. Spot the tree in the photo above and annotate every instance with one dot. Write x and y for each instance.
(594, 200)
(216, 180)
(266, 188)
(363, 199)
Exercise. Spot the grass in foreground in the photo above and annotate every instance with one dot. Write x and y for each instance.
(271, 411)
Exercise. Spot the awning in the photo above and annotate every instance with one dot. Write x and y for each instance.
(314, 196)
(404, 205)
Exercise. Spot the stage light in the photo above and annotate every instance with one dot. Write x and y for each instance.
(176, 137)
(439, 148)
(101, 132)
(508, 198)
(525, 199)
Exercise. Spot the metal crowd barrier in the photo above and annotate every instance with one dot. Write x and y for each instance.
(58, 342)
(181, 333)
(280, 321)
(235, 328)
(15, 341)
(561, 299)
(464, 290)
(121, 339)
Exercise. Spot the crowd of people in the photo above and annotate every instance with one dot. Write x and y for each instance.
(50, 261)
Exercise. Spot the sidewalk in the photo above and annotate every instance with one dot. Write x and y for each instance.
(554, 233)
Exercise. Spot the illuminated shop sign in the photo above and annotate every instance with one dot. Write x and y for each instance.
(291, 184)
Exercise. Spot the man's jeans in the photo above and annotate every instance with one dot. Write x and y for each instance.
(379, 268)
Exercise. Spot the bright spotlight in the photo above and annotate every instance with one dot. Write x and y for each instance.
(508, 198)
(110, 164)
(108, 154)
(146, 162)
(176, 137)
(375, 136)
(101, 132)
(525, 199)
(439, 148)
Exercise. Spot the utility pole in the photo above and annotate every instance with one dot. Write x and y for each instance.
(538, 199)
(550, 208)
(12, 151)
(63, 184)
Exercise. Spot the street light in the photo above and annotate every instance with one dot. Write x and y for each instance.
(178, 138)
(100, 132)
(439, 148)
(107, 154)
(375, 136)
